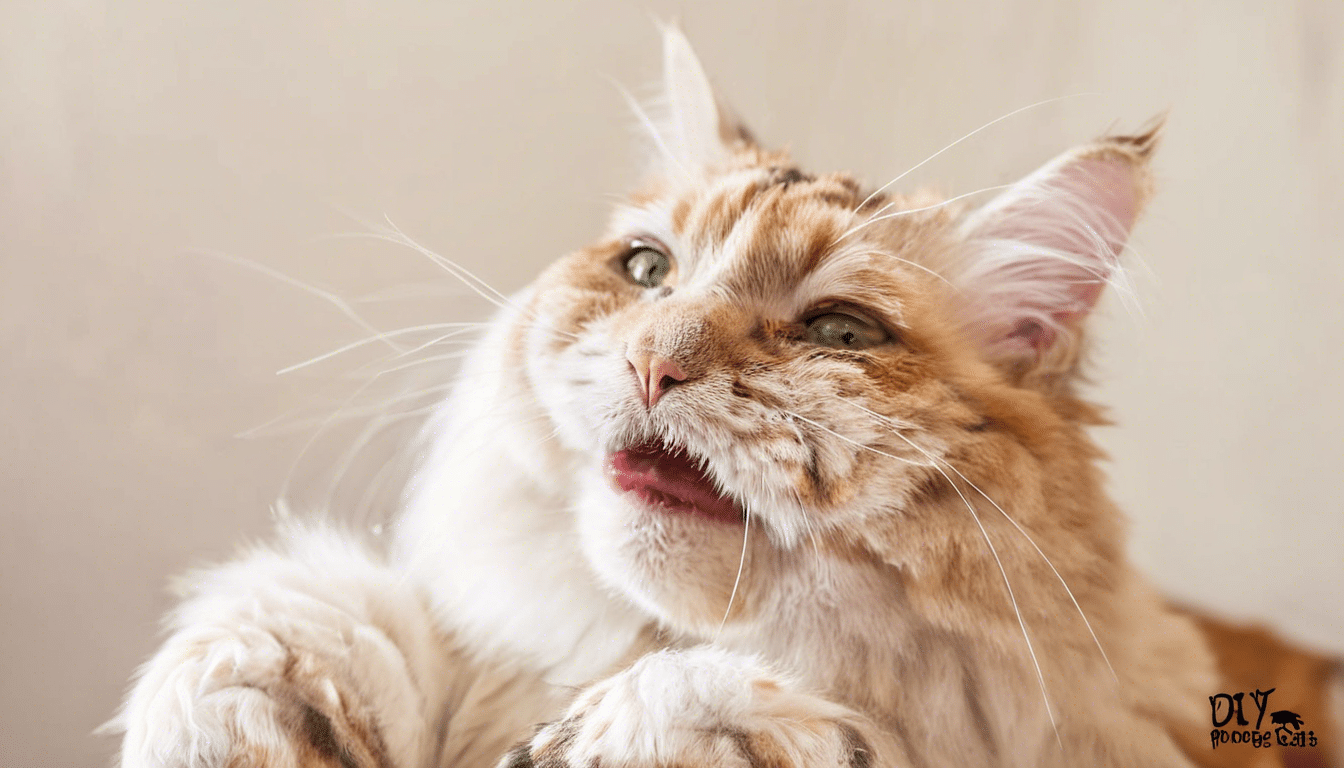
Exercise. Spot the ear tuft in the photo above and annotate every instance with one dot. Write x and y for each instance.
(1037, 257)
(687, 124)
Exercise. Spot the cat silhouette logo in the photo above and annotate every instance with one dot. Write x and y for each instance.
(1285, 718)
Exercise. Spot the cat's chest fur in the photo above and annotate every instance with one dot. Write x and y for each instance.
(488, 531)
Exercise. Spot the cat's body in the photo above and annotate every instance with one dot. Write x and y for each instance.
(889, 544)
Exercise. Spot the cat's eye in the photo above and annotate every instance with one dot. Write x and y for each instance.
(842, 331)
(647, 266)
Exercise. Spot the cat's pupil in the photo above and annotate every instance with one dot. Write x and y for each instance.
(844, 331)
(648, 267)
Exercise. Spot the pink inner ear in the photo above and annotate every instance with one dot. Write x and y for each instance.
(1070, 208)
(1108, 186)
(1047, 249)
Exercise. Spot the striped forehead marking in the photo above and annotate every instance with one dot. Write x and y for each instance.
(767, 232)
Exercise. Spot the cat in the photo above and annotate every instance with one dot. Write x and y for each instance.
(780, 471)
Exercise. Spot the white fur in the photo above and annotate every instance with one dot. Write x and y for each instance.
(321, 597)
(691, 708)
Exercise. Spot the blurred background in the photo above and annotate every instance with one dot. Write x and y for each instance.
(175, 179)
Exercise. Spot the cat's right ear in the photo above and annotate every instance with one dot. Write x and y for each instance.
(1037, 257)
(689, 127)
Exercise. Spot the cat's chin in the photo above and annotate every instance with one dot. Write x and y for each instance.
(670, 481)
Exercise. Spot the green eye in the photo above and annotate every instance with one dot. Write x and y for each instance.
(841, 331)
(646, 266)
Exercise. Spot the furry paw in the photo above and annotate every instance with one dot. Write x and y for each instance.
(245, 700)
(702, 707)
(285, 660)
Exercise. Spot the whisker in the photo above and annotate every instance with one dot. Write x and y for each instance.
(914, 264)
(343, 413)
(313, 438)
(1003, 571)
(1020, 530)
(470, 280)
(876, 217)
(854, 442)
(448, 263)
(741, 563)
(1040, 677)
(330, 297)
(410, 291)
(393, 234)
(381, 336)
(482, 289)
(995, 121)
(458, 355)
(364, 507)
(1037, 547)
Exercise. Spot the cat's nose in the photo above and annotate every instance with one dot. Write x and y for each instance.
(656, 374)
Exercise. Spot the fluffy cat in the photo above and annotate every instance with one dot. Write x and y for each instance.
(780, 471)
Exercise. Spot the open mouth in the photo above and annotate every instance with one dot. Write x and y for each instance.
(671, 480)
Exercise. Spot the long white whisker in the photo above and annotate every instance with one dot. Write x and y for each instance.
(482, 289)
(458, 355)
(364, 507)
(995, 121)
(412, 291)
(1040, 677)
(851, 441)
(1037, 547)
(741, 563)
(876, 217)
(470, 280)
(312, 440)
(445, 337)
(448, 263)
(1020, 530)
(1012, 598)
(330, 297)
(908, 262)
(342, 413)
(393, 234)
(382, 336)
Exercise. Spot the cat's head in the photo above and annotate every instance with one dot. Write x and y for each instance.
(838, 365)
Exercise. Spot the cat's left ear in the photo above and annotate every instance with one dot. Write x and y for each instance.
(1036, 258)
(690, 127)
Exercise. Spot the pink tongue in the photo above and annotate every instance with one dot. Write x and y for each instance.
(671, 481)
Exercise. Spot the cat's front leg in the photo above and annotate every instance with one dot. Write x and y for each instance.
(316, 656)
(703, 707)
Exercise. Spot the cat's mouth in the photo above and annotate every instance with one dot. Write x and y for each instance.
(671, 480)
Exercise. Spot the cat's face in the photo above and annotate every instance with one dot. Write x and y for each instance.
(754, 363)
(708, 355)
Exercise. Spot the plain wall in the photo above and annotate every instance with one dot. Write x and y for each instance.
(133, 136)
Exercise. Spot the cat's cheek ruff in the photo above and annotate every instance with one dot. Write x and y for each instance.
(677, 568)
(573, 382)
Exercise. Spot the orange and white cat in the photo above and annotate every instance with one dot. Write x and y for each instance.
(780, 471)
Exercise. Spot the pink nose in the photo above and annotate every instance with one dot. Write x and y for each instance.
(655, 375)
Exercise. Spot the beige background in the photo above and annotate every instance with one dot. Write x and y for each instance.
(131, 133)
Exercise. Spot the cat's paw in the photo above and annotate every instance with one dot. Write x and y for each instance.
(244, 699)
(312, 657)
(701, 707)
